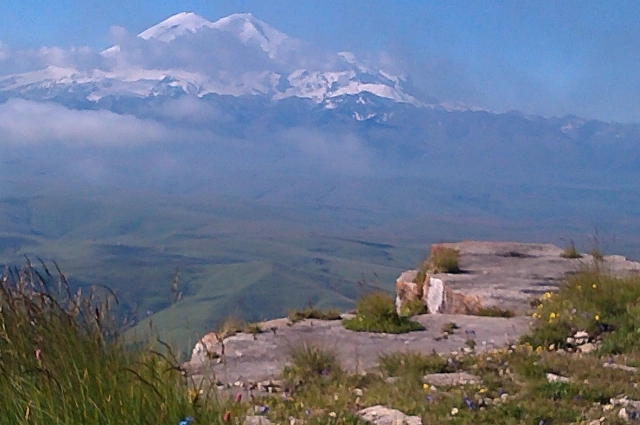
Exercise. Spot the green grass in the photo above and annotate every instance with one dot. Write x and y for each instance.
(64, 362)
(313, 313)
(375, 312)
(592, 300)
(444, 260)
(570, 251)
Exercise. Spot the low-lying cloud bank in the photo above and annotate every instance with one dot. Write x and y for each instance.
(25, 122)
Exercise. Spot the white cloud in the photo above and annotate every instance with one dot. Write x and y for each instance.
(30, 123)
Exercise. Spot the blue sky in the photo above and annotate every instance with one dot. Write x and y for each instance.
(546, 57)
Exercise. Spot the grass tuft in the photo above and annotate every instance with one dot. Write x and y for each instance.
(375, 312)
(313, 313)
(308, 362)
(64, 361)
(570, 252)
(444, 260)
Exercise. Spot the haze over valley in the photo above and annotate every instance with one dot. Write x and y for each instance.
(273, 172)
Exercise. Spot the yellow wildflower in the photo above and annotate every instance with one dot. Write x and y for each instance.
(594, 286)
(597, 317)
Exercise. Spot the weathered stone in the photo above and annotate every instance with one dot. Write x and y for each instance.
(435, 295)
(628, 415)
(450, 379)
(621, 367)
(380, 415)
(208, 348)
(439, 298)
(407, 290)
(256, 420)
(507, 274)
(586, 348)
(581, 334)
(626, 402)
(552, 377)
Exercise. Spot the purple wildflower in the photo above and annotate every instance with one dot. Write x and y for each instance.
(470, 404)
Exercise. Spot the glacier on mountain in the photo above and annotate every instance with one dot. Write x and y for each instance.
(238, 55)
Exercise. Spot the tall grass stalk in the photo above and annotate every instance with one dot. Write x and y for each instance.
(63, 360)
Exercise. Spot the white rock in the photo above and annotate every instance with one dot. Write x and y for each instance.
(587, 348)
(552, 377)
(381, 415)
(256, 420)
(435, 296)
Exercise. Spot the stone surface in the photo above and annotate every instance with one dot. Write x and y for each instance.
(264, 357)
(621, 367)
(552, 378)
(207, 348)
(450, 379)
(406, 289)
(256, 420)
(435, 295)
(508, 274)
(380, 415)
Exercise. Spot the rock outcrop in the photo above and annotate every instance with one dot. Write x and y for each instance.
(503, 274)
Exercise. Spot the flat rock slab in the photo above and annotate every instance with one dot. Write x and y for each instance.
(508, 274)
(264, 358)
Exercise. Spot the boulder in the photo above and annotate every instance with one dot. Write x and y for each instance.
(208, 348)
(406, 289)
(381, 415)
(439, 298)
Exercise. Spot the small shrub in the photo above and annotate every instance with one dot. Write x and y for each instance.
(444, 260)
(309, 362)
(375, 312)
(376, 304)
(570, 251)
(441, 260)
(413, 308)
(313, 313)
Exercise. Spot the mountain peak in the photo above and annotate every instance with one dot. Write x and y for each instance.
(251, 30)
(176, 25)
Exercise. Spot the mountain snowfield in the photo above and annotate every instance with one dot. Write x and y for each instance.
(237, 55)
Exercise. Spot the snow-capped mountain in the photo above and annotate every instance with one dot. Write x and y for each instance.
(237, 55)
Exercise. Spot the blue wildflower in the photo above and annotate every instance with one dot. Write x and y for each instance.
(186, 421)
(470, 404)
